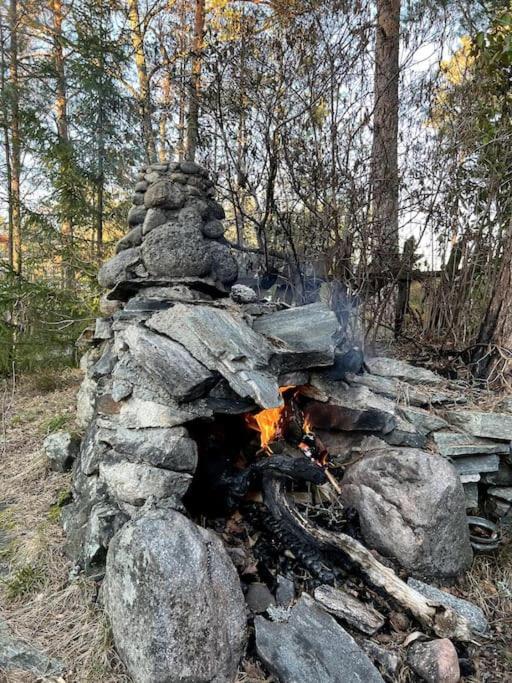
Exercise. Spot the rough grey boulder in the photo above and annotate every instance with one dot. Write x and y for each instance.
(174, 601)
(411, 508)
(131, 239)
(213, 229)
(165, 195)
(61, 448)
(136, 215)
(120, 267)
(224, 264)
(242, 294)
(154, 218)
(174, 249)
(311, 646)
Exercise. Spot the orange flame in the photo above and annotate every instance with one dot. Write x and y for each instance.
(268, 422)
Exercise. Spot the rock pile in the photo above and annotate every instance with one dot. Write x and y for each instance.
(176, 229)
(174, 351)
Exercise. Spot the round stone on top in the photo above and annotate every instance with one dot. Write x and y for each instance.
(164, 194)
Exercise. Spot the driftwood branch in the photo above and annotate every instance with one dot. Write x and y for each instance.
(347, 551)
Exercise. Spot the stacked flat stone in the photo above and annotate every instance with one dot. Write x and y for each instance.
(176, 231)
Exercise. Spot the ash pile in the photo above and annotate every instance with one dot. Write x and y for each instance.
(252, 487)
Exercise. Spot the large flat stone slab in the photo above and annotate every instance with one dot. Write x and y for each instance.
(453, 444)
(341, 407)
(311, 646)
(391, 367)
(306, 336)
(474, 464)
(224, 344)
(488, 425)
(425, 421)
(168, 363)
(400, 391)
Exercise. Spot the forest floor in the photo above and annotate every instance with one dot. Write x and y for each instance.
(44, 604)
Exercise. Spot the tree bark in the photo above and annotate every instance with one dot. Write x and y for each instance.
(195, 82)
(142, 76)
(492, 356)
(61, 113)
(384, 165)
(15, 241)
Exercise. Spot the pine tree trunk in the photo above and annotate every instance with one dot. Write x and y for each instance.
(492, 356)
(195, 82)
(15, 245)
(142, 76)
(384, 166)
(61, 113)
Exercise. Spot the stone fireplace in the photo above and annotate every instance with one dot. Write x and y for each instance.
(196, 394)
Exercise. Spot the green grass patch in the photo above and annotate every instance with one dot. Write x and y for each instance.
(24, 581)
(56, 422)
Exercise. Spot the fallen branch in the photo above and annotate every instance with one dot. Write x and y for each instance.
(443, 621)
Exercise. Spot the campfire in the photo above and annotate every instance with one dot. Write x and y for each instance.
(291, 424)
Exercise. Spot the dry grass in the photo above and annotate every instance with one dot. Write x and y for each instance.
(37, 598)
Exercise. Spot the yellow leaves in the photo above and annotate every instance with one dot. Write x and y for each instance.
(456, 68)
(319, 112)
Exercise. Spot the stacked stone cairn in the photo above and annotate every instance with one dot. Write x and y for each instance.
(177, 345)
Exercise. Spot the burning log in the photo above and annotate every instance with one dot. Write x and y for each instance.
(347, 552)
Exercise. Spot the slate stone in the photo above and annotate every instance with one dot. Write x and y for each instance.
(103, 329)
(411, 508)
(464, 608)
(349, 408)
(309, 335)
(474, 464)
(425, 421)
(138, 413)
(169, 448)
(61, 449)
(154, 218)
(503, 492)
(501, 477)
(103, 521)
(400, 391)
(174, 601)
(471, 495)
(405, 434)
(392, 367)
(16, 654)
(134, 483)
(453, 444)
(136, 215)
(174, 250)
(168, 363)
(224, 344)
(105, 364)
(164, 195)
(311, 646)
(488, 425)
